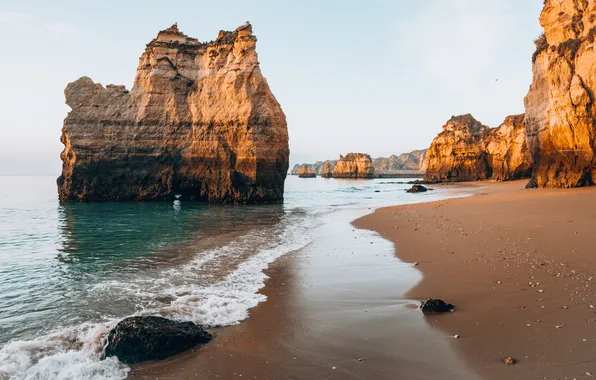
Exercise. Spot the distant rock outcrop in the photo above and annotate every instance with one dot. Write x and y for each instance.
(200, 122)
(354, 165)
(327, 171)
(413, 160)
(560, 112)
(467, 150)
(306, 172)
(317, 167)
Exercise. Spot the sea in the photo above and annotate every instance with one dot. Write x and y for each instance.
(70, 271)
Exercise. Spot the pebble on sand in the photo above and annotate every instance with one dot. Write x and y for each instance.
(510, 361)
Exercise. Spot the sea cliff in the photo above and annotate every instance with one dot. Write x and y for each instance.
(467, 150)
(560, 116)
(200, 123)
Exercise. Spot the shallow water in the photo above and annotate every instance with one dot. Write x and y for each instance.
(69, 272)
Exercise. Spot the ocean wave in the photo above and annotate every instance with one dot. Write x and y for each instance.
(75, 352)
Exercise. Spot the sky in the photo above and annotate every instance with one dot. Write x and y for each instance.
(375, 76)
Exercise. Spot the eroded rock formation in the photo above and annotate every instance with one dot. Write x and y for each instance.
(327, 171)
(354, 165)
(306, 172)
(560, 116)
(507, 151)
(467, 150)
(413, 160)
(200, 122)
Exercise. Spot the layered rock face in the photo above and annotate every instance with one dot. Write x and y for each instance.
(467, 150)
(560, 117)
(354, 165)
(200, 122)
(457, 153)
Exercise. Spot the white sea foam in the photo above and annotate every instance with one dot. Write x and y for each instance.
(71, 354)
(75, 353)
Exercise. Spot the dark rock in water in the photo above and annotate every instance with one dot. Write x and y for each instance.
(435, 306)
(417, 189)
(138, 339)
(377, 191)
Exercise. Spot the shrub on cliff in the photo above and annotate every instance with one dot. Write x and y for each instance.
(569, 48)
(541, 45)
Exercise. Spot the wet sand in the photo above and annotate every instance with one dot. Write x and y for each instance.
(335, 310)
(520, 266)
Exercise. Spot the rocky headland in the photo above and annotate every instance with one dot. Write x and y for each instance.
(354, 165)
(394, 165)
(306, 172)
(560, 116)
(200, 123)
(467, 150)
(413, 160)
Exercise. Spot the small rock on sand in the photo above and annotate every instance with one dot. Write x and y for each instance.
(510, 361)
(435, 306)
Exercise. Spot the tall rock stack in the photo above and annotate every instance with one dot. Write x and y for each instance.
(354, 165)
(560, 117)
(467, 150)
(200, 122)
(327, 171)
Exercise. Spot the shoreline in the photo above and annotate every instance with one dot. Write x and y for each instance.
(517, 265)
(335, 310)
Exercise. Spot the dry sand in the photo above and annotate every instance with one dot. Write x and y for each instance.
(519, 265)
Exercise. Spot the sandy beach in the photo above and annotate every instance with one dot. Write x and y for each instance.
(516, 263)
(519, 266)
(335, 310)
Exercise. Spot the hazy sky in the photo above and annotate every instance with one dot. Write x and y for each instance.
(375, 76)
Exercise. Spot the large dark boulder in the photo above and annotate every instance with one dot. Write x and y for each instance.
(417, 189)
(435, 306)
(136, 339)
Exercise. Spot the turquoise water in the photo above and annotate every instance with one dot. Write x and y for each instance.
(68, 272)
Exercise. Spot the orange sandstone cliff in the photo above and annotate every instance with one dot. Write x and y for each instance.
(354, 165)
(560, 117)
(200, 123)
(467, 150)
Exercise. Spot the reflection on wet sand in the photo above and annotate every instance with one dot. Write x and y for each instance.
(334, 311)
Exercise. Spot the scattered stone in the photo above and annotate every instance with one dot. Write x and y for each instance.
(137, 339)
(435, 306)
(510, 361)
(456, 336)
(416, 263)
